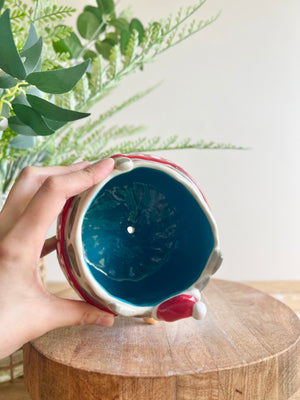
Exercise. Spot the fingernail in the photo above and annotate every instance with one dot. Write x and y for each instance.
(105, 320)
(107, 162)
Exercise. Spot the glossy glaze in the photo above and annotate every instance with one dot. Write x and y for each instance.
(142, 242)
(145, 238)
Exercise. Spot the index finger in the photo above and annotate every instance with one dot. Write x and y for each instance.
(27, 184)
(46, 204)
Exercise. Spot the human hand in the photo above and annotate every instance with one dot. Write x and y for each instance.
(27, 310)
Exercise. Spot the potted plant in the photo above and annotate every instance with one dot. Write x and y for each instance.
(51, 75)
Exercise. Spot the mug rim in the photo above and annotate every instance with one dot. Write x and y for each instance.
(86, 199)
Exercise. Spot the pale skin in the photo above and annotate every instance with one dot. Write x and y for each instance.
(27, 309)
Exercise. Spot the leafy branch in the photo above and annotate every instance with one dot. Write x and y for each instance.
(53, 13)
(52, 75)
(143, 46)
(157, 143)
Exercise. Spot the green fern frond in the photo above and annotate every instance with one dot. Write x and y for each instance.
(66, 100)
(19, 12)
(114, 110)
(128, 146)
(18, 9)
(63, 141)
(116, 132)
(183, 30)
(171, 38)
(167, 25)
(192, 27)
(59, 32)
(53, 12)
(153, 36)
(91, 139)
(98, 75)
(77, 146)
(182, 17)
(17, 15)
(67, 159)
(58, 62)
(170, 141)
(19, 33)
(114, 61)
(188, 10)
(81, 93)
(178, 31)
(18, 29)
(203, 145)
(102, 137)
(192, 30)
(158, 144)
(98, 139)
(132, 47)
(178, 17)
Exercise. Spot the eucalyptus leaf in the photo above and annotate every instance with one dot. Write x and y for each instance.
(5, 110)
(22, 142)
(33, 56)
(106, 6)
(96, 11)
(7, 81)
(1, 4)
(52, 111)
(35, 91)
(60, 80)
(21, 99)
(10, 60)
(87, 24)
(19, 127)
(32, 37)
(120, 24)
(113, 37)
(89, 54)
(38, 66)
(138, 26)
(104, 47)
(70, 44)
(55, 124)
(33, 119)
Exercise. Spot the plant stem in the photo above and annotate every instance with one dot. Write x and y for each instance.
(91, 41)
(181, 21)
(11, 94)
(205, 24)
(36, 10)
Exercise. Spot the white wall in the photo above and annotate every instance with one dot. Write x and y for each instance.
(237, 82)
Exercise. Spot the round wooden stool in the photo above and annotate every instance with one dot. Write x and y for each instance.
(246, 348)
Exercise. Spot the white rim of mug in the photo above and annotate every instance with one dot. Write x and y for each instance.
(121, 306)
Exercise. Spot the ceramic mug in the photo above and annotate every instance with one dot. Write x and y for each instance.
(141, 243)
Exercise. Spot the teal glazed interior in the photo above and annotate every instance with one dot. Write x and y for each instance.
(145, 237)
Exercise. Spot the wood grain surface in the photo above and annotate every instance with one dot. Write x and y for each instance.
(246, 348)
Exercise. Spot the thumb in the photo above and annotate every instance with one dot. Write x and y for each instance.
(65, 312)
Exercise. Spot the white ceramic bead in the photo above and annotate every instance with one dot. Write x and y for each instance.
(3, 124)
(199, 310)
